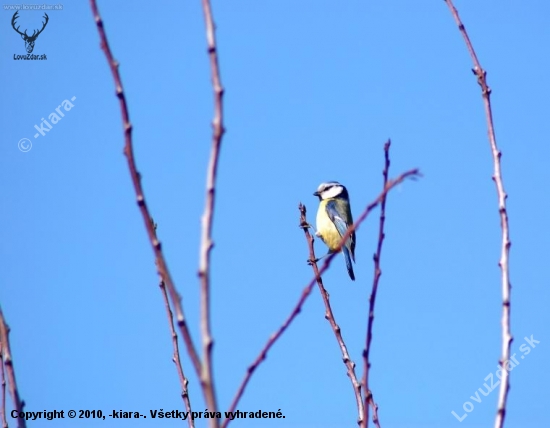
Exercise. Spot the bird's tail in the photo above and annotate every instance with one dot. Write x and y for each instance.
(348, 263)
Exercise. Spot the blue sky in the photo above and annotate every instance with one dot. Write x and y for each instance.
(313, 90)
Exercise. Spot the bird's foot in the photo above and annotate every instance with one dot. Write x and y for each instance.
(311, 262)
(305, 225)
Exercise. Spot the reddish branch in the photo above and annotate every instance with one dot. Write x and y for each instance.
(10, 371)
(329, 315)
(136, 180)
(3, 377)
(206, 375)
(369, 400)
(307, 290)
(507, 338)
(176, 357)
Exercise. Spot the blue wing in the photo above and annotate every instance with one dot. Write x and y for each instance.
(336, 215)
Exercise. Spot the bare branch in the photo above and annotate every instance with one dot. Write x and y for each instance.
(176, 357)
(369, 400)
(329, 315)
(136, 180)
(307, 290)
(10, 371)
(507, 338)
(3, 376)
(206, 377)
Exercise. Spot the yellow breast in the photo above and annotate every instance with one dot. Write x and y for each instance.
(325, 227)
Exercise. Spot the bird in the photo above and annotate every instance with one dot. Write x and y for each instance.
(334, 219)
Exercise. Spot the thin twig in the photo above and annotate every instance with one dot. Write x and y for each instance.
(329, 315)
(184, 382)
(10, 371)
(136, 180)
(3, 376)
(369, 400)
(207, 380)
(307, 290)
(507, 338)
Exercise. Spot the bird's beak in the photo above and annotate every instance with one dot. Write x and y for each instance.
(316, 194)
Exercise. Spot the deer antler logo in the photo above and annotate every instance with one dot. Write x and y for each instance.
(29, 40)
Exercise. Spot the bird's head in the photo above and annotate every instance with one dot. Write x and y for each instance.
(331, 189)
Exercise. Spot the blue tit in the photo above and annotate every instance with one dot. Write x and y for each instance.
(333, 220)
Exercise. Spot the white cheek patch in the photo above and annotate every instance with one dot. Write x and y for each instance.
(332, 192)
